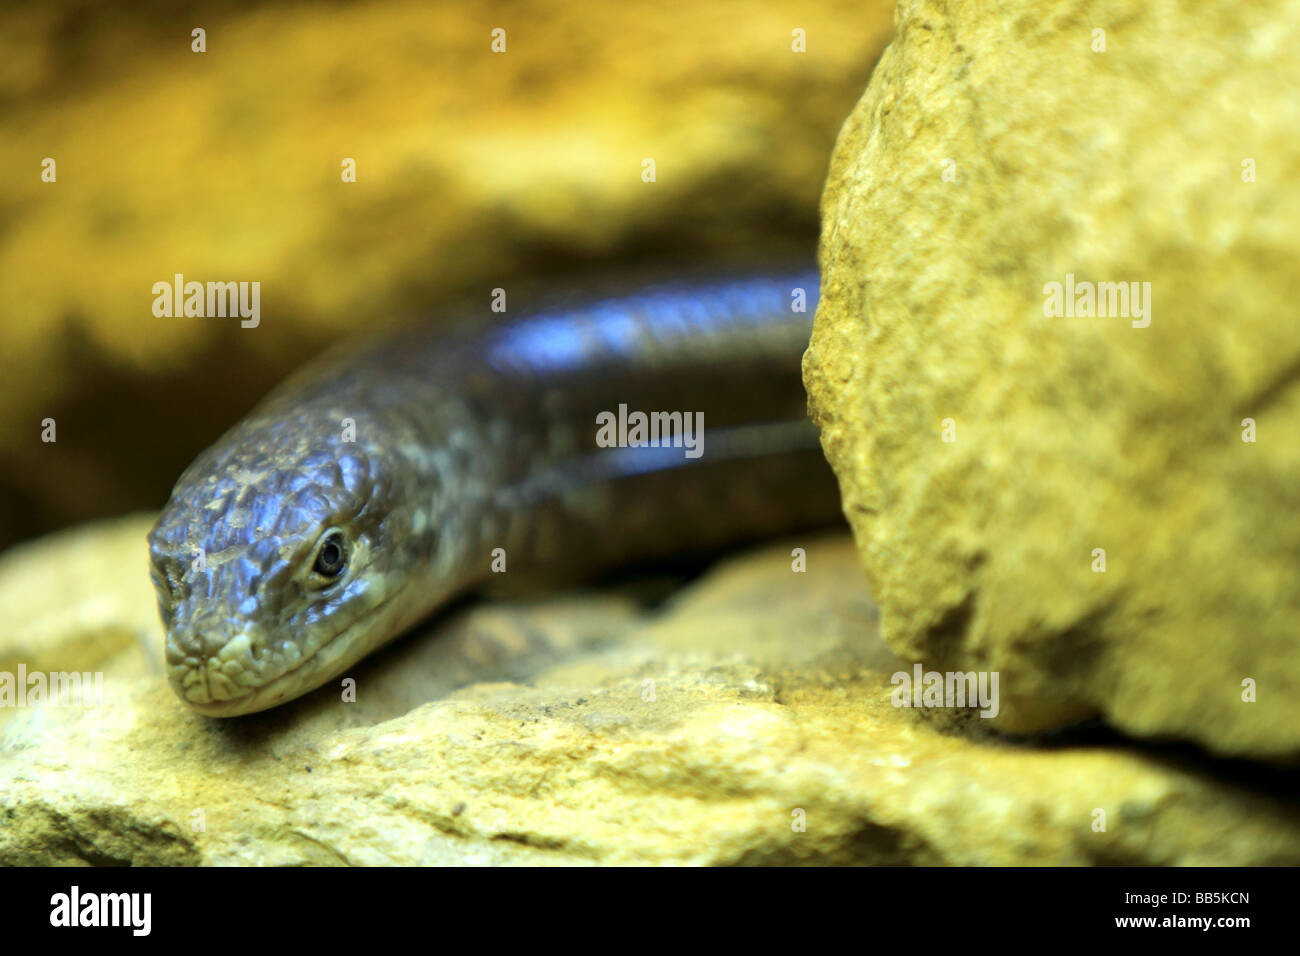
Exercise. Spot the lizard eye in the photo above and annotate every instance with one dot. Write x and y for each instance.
(331, 555)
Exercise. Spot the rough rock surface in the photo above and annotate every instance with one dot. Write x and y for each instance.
(581, 729)
(1074, 435)
(475, 170)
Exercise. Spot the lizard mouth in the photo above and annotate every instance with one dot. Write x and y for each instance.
(208, 688)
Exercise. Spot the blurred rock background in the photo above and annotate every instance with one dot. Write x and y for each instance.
(475, 170)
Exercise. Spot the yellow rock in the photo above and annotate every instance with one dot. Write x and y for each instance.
(995, 456)
(475, 170)
(748, 720)
(81, 601)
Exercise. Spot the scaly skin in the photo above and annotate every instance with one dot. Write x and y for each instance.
(470, 440)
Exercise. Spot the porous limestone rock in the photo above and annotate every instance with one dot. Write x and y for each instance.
(1105, 509)
(746, 720)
